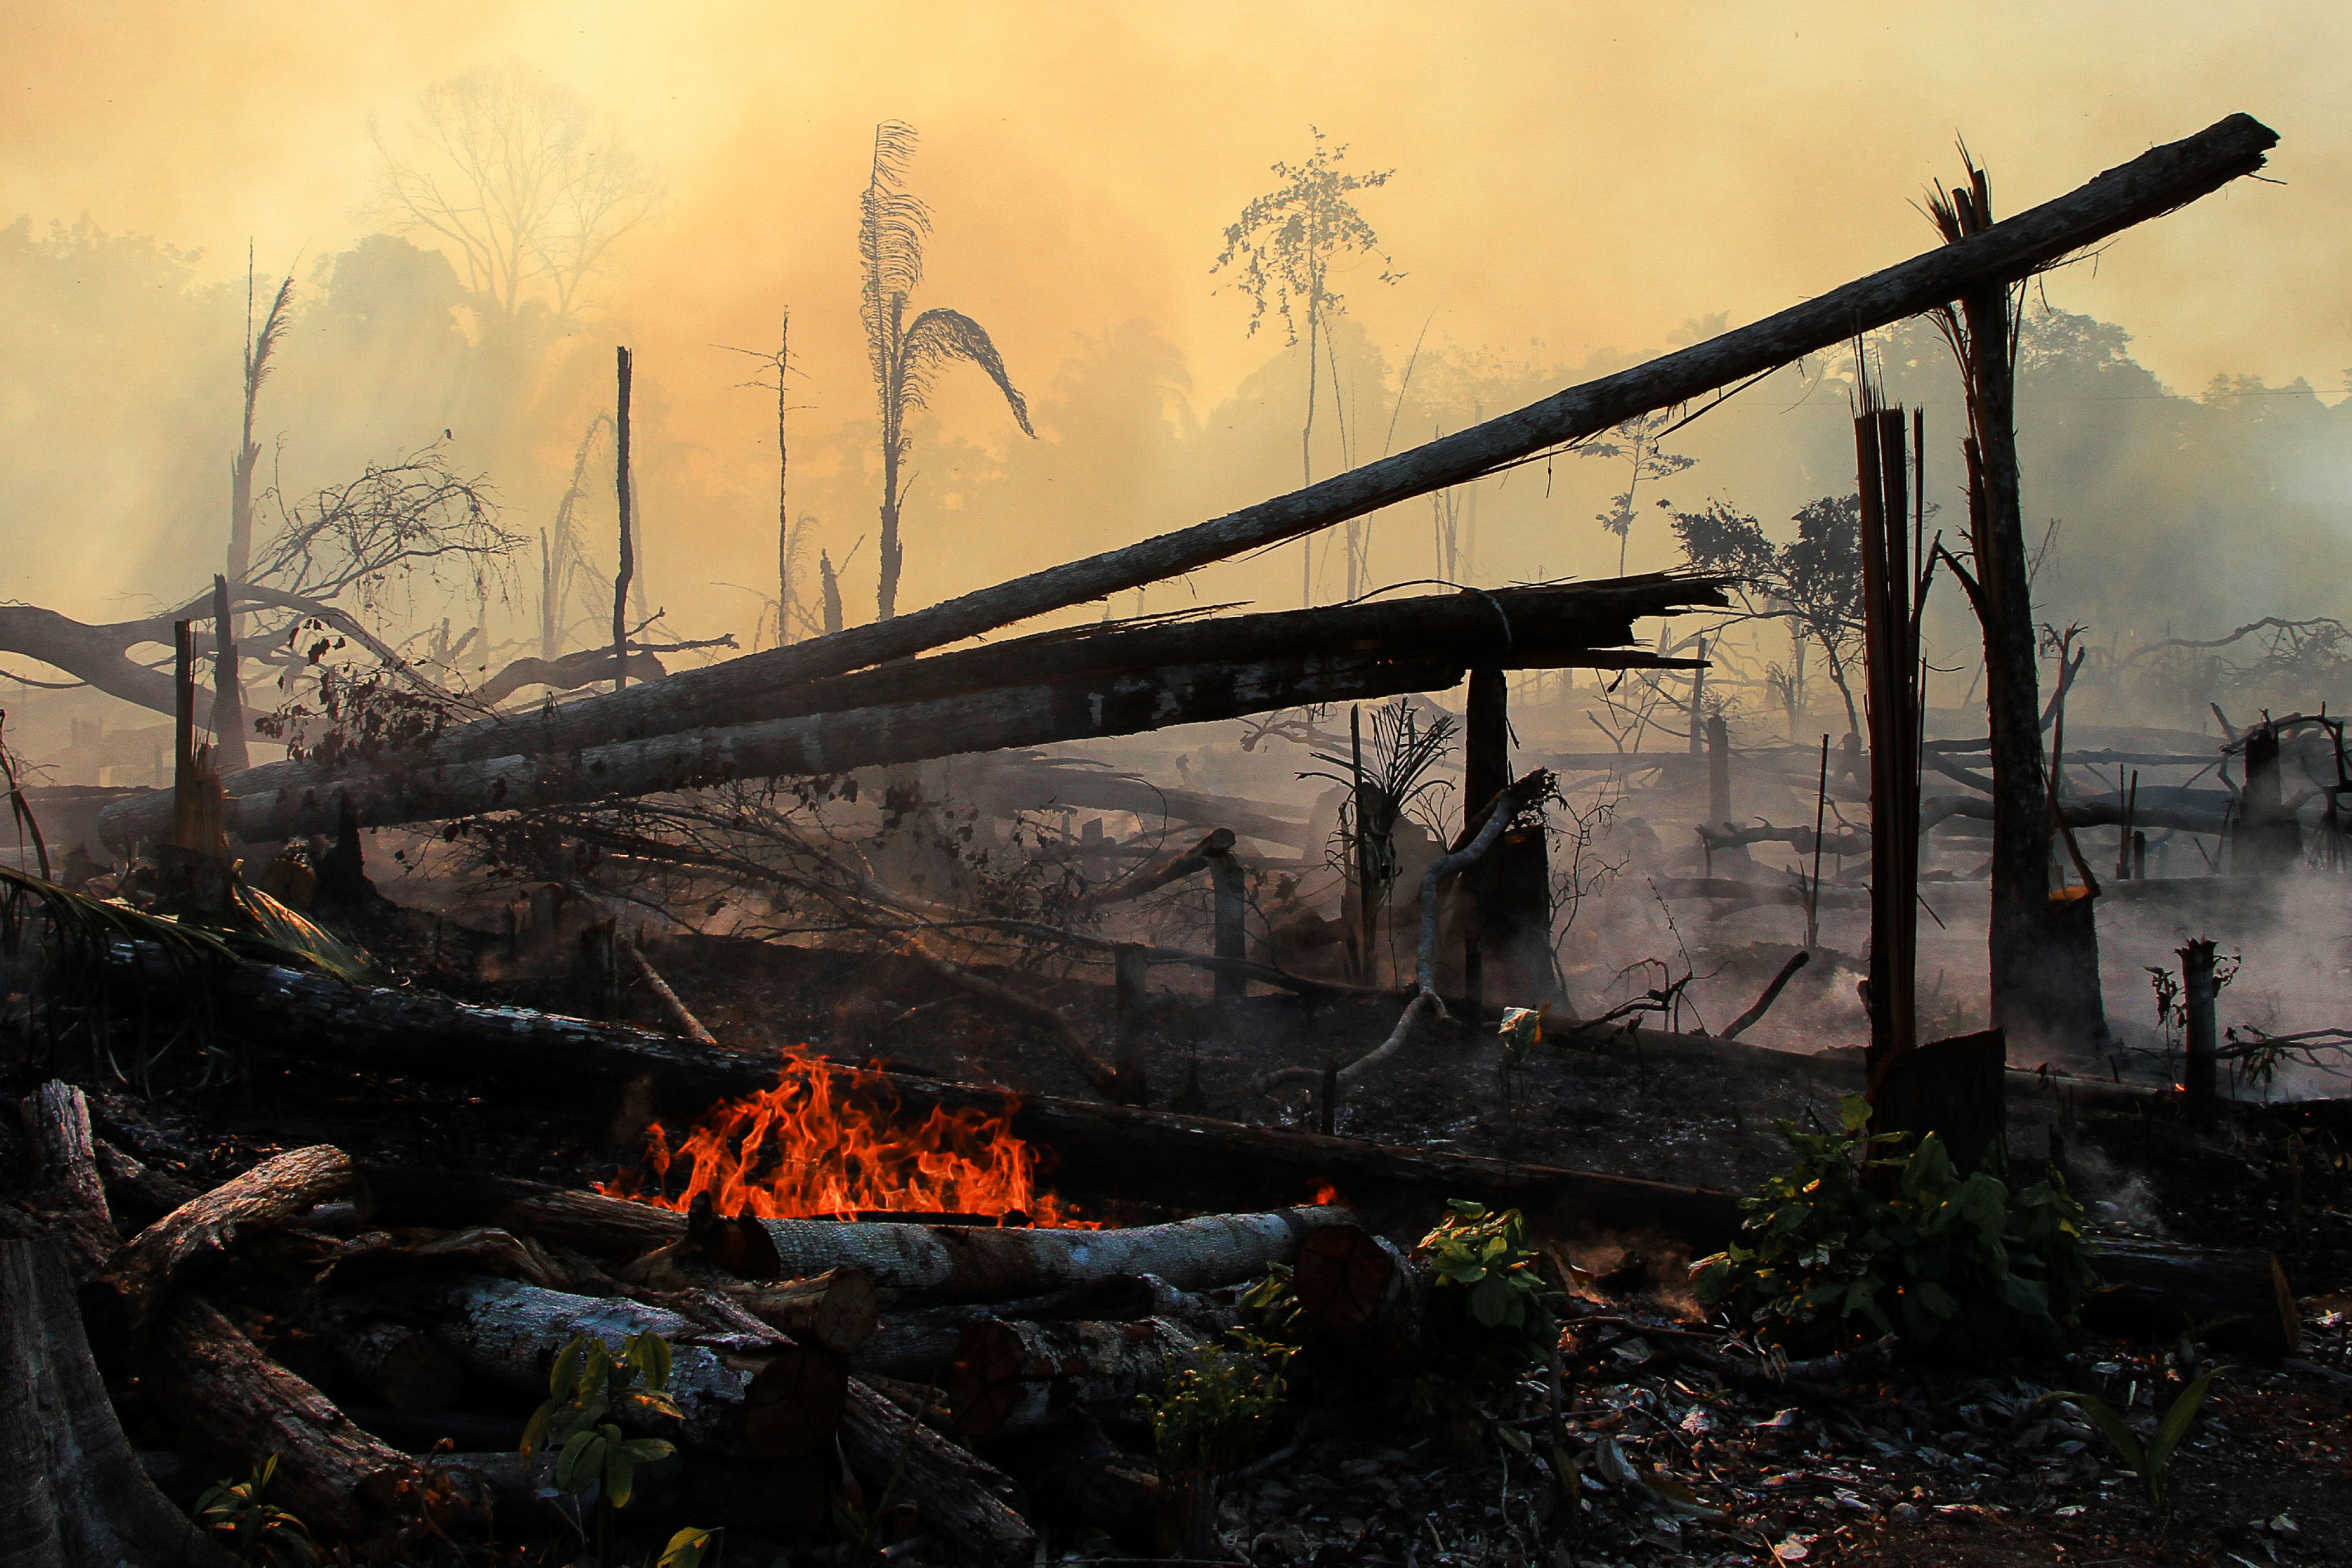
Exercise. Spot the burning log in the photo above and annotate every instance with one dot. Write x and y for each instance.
(954, 1493)
(71, 1491)
(136, 1282)
(1016, 1379)
(229, 1399)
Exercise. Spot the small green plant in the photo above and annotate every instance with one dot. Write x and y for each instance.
(2153, 1460)
(588, 1385)
(1218, 1406)
(256, 1530)
(1960, 1265)
(685, 1549)
(1491, 1308)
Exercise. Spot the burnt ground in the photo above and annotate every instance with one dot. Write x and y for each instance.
(1925, 1464)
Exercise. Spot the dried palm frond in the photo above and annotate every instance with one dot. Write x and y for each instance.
(891, 223)
(939, 337)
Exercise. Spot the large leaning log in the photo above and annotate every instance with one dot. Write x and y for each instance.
(2156, 181)
(71, 1491)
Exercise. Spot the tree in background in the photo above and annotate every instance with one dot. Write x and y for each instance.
(892, 222)
(512, 176)
(1814, 582)
(1283, 249)
(1645, 460)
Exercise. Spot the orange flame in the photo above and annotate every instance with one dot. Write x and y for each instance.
(828, 1140)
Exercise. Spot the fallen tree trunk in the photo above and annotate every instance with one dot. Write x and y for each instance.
(953, 1492)
(2155, 183)
(838, 1309)
(71, 1491)
(920, 1346)
(979, 1263)
(2236, 1295)
(979, 701)
(1015, 1378)
(509, 1333)
(229, 1400)
(137, 1281)
(585, 1222)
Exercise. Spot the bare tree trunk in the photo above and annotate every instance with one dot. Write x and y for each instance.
(783, 472)
(229, 751)
(621, 493)
(2043, 956)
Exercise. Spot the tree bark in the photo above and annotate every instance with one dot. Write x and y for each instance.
(1053, 687)
(920, 1343)
(584, 1221)
(1018, 1379)
(71, 1491)
(66, 1188)
(977, 1263)
(231, 1401)
(838, 1311)
(954, 1493)
(137, 1281)
(2238, 1296)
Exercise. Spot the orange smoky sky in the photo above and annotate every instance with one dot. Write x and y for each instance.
(1586, 176)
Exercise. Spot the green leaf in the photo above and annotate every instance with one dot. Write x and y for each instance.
(536, 1433)
(619, 1477)
(645, 1451)
(1854, 1111)
(575, 1466)
(2112, 1428)
(685, 1549)
(566, 1375)
(2175, 1426)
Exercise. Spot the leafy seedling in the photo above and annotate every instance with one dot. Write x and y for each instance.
(257, 1530)
(2152, 1461)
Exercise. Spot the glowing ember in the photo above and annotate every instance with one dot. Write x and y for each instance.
(828, 1141)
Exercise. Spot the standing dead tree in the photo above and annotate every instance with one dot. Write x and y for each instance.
(905, 355)
(2044, 949)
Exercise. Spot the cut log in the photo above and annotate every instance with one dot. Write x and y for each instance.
(509, 1333)
(137, 1188)
(794, 1405)
(232, 1402)
(955, 1494)
(1018, 1379)
(836, 1310)
(71, 1490)
(972, 1263)
(199, 1233)
(585, 1222)
(405, 1367)
(921, 1345)
(2235, 1297)
(1366, 1293)
(56, 1118)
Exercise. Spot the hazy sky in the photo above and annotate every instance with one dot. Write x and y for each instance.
(1587, 176)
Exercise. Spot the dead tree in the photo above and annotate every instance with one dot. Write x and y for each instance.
(2043, 950)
